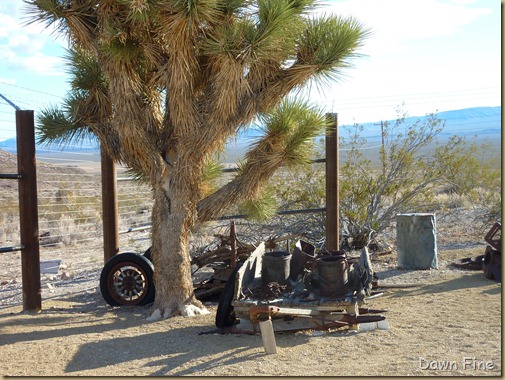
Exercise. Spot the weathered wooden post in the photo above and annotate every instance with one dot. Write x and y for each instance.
(332, 198)
(109, 206)
(233, 243)
(28, 212)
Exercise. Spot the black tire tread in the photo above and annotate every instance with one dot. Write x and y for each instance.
(134, 258)
(225, 315)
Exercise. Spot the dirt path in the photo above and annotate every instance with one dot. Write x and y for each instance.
(450, 324)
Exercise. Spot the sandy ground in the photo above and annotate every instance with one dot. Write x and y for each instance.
(448, 324)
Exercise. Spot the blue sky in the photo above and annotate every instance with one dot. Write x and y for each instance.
(431, 55)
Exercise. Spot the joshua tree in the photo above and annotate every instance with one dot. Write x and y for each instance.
(164, 84)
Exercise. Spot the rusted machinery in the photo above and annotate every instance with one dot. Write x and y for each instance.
(127, 278)
(280, 291)
(492, 257)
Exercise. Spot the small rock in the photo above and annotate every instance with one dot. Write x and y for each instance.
(4, 282)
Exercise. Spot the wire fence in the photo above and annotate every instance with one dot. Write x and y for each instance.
(71, 229)
(70, 212)
(70, 216)
(70, 208)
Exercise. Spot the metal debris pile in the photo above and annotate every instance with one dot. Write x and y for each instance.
(270, 291)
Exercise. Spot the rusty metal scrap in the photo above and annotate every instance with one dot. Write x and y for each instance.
(223, 252)
(321, 322)
(493, 237)
(272, 290)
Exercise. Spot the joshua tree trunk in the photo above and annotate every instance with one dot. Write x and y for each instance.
(173, 219)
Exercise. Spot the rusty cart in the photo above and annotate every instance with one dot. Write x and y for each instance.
(280, 291)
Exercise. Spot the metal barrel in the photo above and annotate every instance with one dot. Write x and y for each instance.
(275, 267)
(333, 276)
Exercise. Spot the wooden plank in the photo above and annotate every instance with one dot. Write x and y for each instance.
(268, 337)
(249, 270)
(280, 325)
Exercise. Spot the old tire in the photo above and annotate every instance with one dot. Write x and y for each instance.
(148, 254)
(486, 266)
(127, 280)
(225, 315)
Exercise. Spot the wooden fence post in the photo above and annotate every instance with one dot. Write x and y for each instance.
(28, 212)
(332, 198)
(109, 206)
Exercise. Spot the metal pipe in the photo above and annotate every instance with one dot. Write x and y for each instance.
(10, 176)
(12, 249)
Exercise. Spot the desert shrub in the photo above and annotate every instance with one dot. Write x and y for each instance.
(415, 171)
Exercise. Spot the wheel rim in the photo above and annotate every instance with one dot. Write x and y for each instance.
(128, 284)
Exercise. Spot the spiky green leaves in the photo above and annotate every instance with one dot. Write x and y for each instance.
(289, 132)
(212, 171)
(330, 43)
(261, 208)
(85, 71)
(56, 127)
(87, 106)
(90, 85)
(46, 11)
(266, 31)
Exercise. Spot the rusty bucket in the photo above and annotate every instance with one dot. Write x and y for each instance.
(302, 254)
(333, 276)
(275, 267)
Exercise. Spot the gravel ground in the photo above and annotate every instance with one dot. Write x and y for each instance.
(447, 323)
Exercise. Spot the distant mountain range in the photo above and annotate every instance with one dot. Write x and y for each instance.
(465, 122)
(479, 121)
(484, 122)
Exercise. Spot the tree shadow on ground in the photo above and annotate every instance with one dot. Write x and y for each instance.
(467, 281)
(94, 330)
(103, 318)
(185, 348)
(106, 337)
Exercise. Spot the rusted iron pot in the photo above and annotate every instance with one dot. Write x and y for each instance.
(275, 267)
(333, 275)
(302, 253)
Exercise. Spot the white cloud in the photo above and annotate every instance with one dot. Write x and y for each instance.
(27, 46)
(42, 64)
(395, 22)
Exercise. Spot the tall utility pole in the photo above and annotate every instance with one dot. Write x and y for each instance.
(383, 152)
